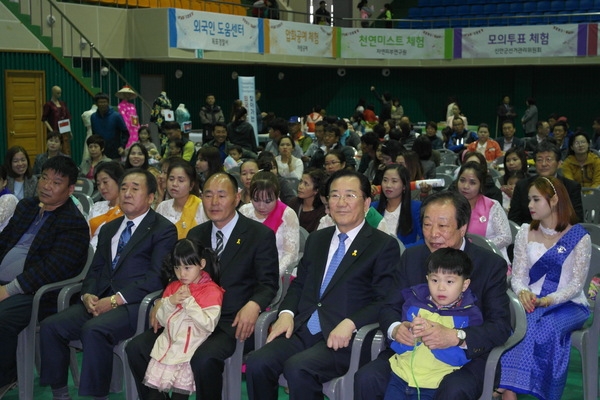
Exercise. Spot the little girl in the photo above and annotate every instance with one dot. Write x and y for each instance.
(189, 311)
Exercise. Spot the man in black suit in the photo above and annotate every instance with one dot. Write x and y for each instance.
(543, 130)
(249, 275)
(126, 267)
(445, 216)
(547, 162)
(343, 278)
(508, 140)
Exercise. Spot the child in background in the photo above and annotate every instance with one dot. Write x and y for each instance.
(189, 311)
(236, 153)
(175, 148)
(447, 300)
(144, 140)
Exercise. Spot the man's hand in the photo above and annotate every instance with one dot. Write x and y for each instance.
(103, 306)
(283, 324)
(3, 293)
(437, 336)
(340, 336)
(245, 320)
(402, 334)
(90, 302)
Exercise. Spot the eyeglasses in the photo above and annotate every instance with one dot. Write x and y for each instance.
(580, 143)
(547, 160)
(328, 163)
(348, 197)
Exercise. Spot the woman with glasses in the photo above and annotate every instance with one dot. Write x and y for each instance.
(267, 209)
(335, 160)
(582, 166)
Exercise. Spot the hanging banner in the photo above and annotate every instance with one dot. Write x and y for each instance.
(247, 93)
(521, 41)
(410, 44)
(298, 39)
(212, 31)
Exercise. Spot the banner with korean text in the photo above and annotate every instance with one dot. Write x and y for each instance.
(212, 31)
(247, 93)
(298, 39)
(521, 41)
(410, 44)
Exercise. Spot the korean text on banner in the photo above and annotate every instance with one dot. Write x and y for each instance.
(298, 39)
(248, 96)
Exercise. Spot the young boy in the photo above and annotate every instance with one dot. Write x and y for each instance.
(447, 300)
(175, 148)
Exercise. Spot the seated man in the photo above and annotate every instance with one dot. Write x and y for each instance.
(125, 268)
(460, 137)
(343, 278)
(249, 275)
(547, 162)
(173, 131)
(45, 241)
(445, 216)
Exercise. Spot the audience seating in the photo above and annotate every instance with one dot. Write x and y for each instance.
(86, 202)
(594, 231)
(28, 342)
(586, 340)
(85, 186)
(590, 198)
(484, 242)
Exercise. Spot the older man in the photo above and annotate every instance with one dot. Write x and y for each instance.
(249, 275)
(44, 242)
(126, 267)
(343, 278)
(445, 216)
(547, 162)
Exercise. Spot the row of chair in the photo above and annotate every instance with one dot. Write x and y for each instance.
(542, 5)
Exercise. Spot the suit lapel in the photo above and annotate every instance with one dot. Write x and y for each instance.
(353, 253)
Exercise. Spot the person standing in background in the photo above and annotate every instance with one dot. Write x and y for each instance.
(505, 111)
(210, 114)
(56, 111)
(530, 118)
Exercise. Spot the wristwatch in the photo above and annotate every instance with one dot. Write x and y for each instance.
(113, 301)
(462, 336)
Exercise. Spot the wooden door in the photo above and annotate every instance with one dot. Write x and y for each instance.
(25, 94)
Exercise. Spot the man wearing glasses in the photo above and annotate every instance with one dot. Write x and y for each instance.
(547, 162)
(343, 278)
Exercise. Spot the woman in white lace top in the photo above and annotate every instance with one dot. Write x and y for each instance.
(551, 263)
(267, 209)
(184, 208)
(8, 201)
(487, 215)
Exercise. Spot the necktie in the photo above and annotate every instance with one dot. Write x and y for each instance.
(314, 325)
(219, 248)
(123, 239)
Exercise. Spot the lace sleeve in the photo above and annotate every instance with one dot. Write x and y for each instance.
(520, 266)
(8, 203)
(498, 228)
(574, 272)
(290, 246)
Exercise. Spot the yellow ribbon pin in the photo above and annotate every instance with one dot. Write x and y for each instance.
(239, 241)
(354, 253)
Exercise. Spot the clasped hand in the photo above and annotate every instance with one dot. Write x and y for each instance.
(433, 335)
(530, 301)
(96, 306)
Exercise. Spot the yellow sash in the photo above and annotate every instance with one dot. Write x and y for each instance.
(111, 214)
(188, 216)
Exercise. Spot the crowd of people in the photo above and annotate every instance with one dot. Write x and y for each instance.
(219, 225)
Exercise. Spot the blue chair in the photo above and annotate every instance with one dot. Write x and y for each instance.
(586, 5)
(414, 12)
(439, 11)
(476, 9)
(557, 5)
(426, 12)
(503, 8)
(530, 7)
(516, 8)
(543, 6)
(424, 3)
(440, 24)
(451, 11)
(572, 5)
(596, 6)
(463, 10)
(489, 9)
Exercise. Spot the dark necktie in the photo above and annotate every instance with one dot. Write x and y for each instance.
(314, 325)
(123, 239)
(219, 248)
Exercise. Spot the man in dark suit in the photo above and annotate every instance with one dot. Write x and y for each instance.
(44, 242)
(249, 275)
(445, 216)
(125, 268)
(547, 162)
(531, 144)
(508, 140)
(343, 278)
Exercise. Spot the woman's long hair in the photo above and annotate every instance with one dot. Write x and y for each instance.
(405, 220)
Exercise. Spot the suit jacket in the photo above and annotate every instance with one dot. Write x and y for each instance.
(138, 271)
(59, 250)
(519, 210)
(358, 288)
(249, 267)
(517, 142)
(488, 284)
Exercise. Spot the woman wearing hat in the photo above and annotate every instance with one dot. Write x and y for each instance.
(129, 113)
